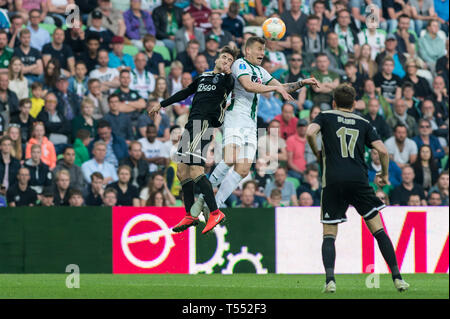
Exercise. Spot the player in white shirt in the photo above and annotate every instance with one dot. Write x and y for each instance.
(240, 140)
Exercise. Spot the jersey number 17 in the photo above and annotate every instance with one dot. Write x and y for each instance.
(347, 149)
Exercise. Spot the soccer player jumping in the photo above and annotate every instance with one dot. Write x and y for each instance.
(345, 181)
(240, 129)
(208, 106)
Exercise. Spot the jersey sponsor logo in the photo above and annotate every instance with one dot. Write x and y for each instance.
(242, 66)
(206, 88)
(256, 79)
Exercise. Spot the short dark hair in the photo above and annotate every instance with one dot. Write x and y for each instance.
(312, 17)
(83, 134)
(113, 96)
(227, 49)
(35, 85)
(253, 39)
(96, 175)
(24, 101)
(103, 123)
(344, 96)
(74, 192)
(400, 125)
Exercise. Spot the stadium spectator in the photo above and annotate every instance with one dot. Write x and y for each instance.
(426, 170)
(370, 93)
(275, 198)
(171, 145)
(130, 100)
(188, 56)
(47, 148)
(287, 120)
(392, 10)
(142, 80)
(95, 191)
(110, 197)
(200, 65)
(309, 60)
(414, 104)
(247, 199)
(21, 194)
(111, 18)
(140, 174)
(99, 164)
(376, 120)
(395, 173)
(234, 23)
(365, 64)
(78, 83)
(329, 80)
(431, 47)
(336, 54)
(434, 199)
(116, 148)
(85, 120)
(188, 32)
(426, 137)
(127, 194)
(138, 23)
(287, 189)
(56, 124)
(67, 162)
(305, 199)
(354, 78)
(60, 51)
(156, 184)
(438, 126)
(99, 98)
(442, 187)
(46, 198)
(406, 41)
(414, 200)
(68, 102)
(155, 61)
(382, 196)
(200, 14)
(294, 19)
(293, 74)
(211, 50)
(309, 155)
(400, 194)
(311, 183)
(120, 122)
(23, 120)
(167, 19)
(50, 76)
(75, 37)
(83, 138)
(174, 79)
(391, 52)
(76, 198)
(313, 40)
(402, 150)
(39, 172)
(37, 95)
(118, 59)
(421, 86)
(400, 116)
(9, 165)
(161, 121)
(14, 133)
(108, 77)
(17, 82)
(156, 199)
(9, 103)
(387, 83)
(30, 57)
(153, 149)
(374, 38)
(90, 55)
(269, 106)
(225, 37)
(348, 37)
(272, 148)
(439, 97)
(62, 188)
(295, 146)
(39, 36)
(442, 65)
(421, 12)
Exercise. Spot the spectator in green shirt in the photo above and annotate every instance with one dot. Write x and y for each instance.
(80, 146)
(329, 80)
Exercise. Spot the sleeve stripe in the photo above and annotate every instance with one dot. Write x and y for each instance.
(269, 81)
(242, 75)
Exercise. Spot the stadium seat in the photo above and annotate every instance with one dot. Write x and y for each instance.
(444, 161)
(163, 51)
(48, 27)
(304, 114)
(178, 203)
(130, 49)
(294, 181)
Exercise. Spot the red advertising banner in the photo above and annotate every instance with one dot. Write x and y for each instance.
(143, 241)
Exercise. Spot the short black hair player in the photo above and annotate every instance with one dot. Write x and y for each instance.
(211, 90)
(345, 181)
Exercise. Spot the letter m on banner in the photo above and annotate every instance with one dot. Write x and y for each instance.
(414, 221)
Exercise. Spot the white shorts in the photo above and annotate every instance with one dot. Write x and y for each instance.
(244, 137)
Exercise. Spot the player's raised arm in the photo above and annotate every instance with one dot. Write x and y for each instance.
(294, 86)
(253, 87)
(177, 97)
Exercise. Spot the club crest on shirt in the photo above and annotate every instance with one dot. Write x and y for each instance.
(242, 66)
(216, 79)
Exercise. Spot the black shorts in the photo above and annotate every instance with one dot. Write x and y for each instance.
(194, 143)
(336, 198)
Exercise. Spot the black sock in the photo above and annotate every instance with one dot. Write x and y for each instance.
(387, 250)
(206, 189)
(187, 186)
(329, 257)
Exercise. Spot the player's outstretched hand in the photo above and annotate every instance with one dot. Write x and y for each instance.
(381, 180)
(284, 93)
(154, 110)
(311, 81)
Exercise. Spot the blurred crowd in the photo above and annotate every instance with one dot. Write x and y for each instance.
(77, 79)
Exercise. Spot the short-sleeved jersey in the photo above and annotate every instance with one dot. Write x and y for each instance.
(243, 102)
(210, 96)
(344, 137)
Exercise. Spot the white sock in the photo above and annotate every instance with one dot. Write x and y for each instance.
(219, 174)
(229, 184)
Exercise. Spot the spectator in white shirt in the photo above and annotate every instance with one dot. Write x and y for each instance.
(402, 150)
(98, 164)
(154, 150)
(141, 80)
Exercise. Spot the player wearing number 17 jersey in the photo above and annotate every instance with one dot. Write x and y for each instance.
(345, 181)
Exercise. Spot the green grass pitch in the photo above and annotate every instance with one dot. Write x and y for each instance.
(238, 286)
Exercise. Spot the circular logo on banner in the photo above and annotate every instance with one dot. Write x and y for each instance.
(153, 237)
